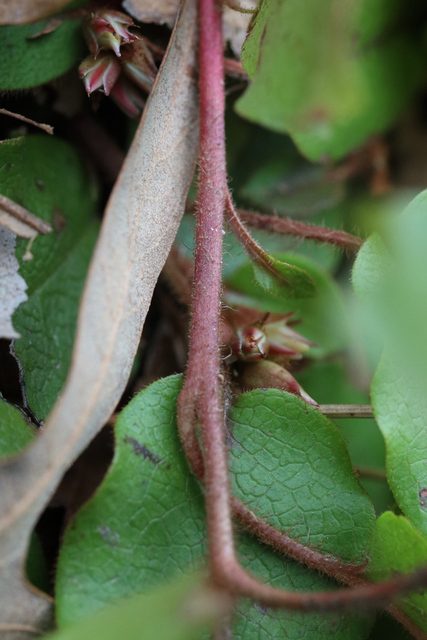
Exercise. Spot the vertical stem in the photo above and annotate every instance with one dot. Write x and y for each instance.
(201, 397)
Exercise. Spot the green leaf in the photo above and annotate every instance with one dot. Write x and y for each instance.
(400, 406)
(146, 525)
(15, 432)
(330, 91)
(328, 383)
(397, 548)
(181, 610)
(47, 176)
(282, 279)
(323, 318)
(27, 62)
(290, 465)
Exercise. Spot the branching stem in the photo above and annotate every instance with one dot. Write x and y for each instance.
(201, 400)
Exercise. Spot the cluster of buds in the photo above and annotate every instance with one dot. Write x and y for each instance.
(119, 61)
(265, 349)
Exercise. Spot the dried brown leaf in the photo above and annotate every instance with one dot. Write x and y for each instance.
(26, 11)
(141, 221)
(12, 285)
(164, 12)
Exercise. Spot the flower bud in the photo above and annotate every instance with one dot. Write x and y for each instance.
(249, 344)
(108, 30)
(270, 375)
(101, 73)
(126, 96)
(138, 65)
(284, 341)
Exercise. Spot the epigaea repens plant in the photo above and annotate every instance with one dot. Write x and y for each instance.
(127, 464)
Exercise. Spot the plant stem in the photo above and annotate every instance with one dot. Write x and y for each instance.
(346, 410)
(201, 399)
(298, 229)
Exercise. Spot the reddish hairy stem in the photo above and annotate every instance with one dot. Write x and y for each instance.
(290, 227)
(251, 246)
(201, 397)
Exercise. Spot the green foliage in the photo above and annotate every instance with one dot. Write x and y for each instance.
(15, 433)
(27, 61)
(400, 406)
(179, 611)
(323, 318)
(290, 465)
(146, 525)
(47, 176)
(397, 548)
(329, 93)
(328, 383)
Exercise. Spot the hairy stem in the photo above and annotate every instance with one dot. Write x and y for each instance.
(299, 229)
(201, 400)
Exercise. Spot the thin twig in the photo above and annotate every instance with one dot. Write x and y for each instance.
(23, 215)
(299, 229)
(346, 410)
(179, 272)
(233, 4)
(371, 473)
(18, 116)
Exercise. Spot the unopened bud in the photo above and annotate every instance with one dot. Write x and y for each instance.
(127, 97)
(284, 341)
(250, 344)
(101, 73)
(270, 375)
(139, 66)
(108, 30)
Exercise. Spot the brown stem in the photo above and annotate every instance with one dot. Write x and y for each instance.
(251, 246)
(201, 398)
(46, 127)
(23, 215)
(290, 227)
(346, 410)
(178, 271)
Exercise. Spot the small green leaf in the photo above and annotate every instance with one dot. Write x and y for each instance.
(397, 548)
(27, 62)
(400, 406)
(369, 266)
(283, 279)
(330, 90)
(15, 432)
(323, 318)
(146, 525)
(181, 610)
(291, 466)
(47, 176)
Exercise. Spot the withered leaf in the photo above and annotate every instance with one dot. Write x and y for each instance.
(26, 11)
(141, 221)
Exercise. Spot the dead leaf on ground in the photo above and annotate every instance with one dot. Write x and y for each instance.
(141, 221)
(12, 285)
(27, 11)
(164, 12)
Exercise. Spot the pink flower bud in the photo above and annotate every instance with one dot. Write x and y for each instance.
(284, 341)
(127, 98)
(139, 66)
(108, 30)
(270, 375)
(101, 73)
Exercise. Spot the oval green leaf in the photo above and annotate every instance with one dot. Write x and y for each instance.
(146, 525)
